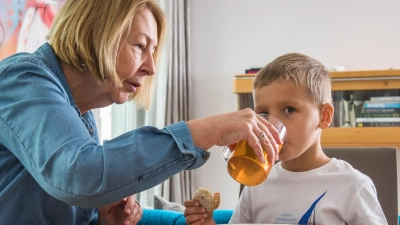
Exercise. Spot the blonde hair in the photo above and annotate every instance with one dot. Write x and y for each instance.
(87, 34)
(303, 70)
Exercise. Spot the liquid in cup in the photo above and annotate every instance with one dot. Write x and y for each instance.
(243, 165)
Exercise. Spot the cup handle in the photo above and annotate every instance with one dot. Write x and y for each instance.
(226, 154)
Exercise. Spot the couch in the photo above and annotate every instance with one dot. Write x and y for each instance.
(169, 217)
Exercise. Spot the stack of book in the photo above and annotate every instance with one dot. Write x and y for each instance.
(380, 112)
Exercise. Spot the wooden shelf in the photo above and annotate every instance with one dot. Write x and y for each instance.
(243, 84)
(361, 136)
(365, 73)
(365, 84)
(348, 81)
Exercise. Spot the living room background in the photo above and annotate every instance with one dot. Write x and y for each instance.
(229, 36)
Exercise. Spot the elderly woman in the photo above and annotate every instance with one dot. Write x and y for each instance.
(52, 168)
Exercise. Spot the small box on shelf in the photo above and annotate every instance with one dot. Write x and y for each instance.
(252, 70)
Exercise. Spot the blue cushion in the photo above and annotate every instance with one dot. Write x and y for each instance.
(159, 216)
(167, 217)
(220, 216)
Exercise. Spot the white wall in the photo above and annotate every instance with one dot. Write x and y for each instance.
(229, 36)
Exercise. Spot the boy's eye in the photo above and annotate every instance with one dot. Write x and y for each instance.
(289, 110)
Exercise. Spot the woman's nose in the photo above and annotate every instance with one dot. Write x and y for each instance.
(148, 65)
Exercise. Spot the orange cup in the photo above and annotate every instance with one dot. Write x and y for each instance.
(243, 164)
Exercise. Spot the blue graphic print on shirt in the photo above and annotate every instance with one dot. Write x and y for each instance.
(306, 219)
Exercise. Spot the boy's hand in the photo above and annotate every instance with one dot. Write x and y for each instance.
(196, 214)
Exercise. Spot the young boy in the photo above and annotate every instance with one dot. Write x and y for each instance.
(306, 186)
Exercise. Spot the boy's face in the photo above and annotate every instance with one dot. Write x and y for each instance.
(290, 104)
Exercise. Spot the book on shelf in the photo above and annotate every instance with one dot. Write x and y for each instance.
(381, 104)
(380, 114)
(378, 124)
(385, 98)
(252, 70)
(381, 110)
(377, 119)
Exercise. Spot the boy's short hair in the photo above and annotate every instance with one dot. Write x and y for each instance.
(87, 34)
(303, 70)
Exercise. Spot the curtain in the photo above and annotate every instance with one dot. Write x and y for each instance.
(180, 186)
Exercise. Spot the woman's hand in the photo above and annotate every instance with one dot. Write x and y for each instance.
(230, 128)
(124, 212)
(197, 215)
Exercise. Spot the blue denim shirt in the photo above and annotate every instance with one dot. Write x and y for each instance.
(52, 168)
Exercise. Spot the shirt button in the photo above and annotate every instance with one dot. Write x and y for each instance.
(205, 156)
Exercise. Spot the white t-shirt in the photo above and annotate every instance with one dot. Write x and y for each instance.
(335, 193)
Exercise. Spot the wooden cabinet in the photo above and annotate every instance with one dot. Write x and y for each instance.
(361, 86)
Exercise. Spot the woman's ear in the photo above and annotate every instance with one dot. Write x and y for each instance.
(326, 115)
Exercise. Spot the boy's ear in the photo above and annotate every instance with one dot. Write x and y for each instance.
(326, 115)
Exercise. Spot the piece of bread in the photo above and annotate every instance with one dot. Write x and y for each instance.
(207, 199)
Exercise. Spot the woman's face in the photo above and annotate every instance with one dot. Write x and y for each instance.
(135, 60)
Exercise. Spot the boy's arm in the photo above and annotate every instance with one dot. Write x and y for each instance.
(367, 209)
(196, 214)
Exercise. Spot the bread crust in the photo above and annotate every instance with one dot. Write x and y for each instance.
(216, 200)
(209, 200)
